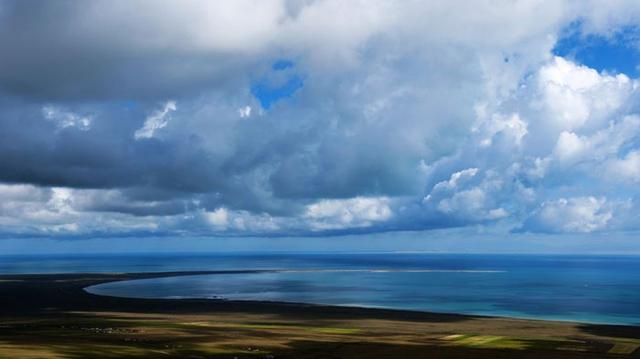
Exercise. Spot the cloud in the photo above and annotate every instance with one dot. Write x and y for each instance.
(64, 119)
(567, 126)
(106, 49)
(156, 121)
(510, 126)
(626, 168)
(410, 115)
(243, 223)
(31, 211)
(468, 198)
(578, 96)
(578, 214)
(350, 213)
(244, 112)
(219, 218)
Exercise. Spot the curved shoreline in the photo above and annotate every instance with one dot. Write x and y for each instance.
(306, 304)
(39, 293)
(68, 290)
(46, 313)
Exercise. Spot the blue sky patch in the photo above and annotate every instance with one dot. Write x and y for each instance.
(281, 83)
(618, 53)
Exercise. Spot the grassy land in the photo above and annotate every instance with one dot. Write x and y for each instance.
(51, 317)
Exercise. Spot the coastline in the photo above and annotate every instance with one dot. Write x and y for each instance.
(61, 298)
(151, 275)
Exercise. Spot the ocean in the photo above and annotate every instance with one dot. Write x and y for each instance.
(595, 289)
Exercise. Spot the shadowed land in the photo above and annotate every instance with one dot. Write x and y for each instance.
(51, 316)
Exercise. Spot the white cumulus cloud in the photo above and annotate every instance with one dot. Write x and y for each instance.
(348, 213)
(577, 214)
(64, 119)
(156, 121)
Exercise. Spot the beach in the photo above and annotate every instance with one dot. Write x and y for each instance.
(52, 316)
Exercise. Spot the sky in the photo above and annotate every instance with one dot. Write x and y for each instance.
(482, 125)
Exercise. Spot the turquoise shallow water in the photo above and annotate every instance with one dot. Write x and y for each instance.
(597, 289)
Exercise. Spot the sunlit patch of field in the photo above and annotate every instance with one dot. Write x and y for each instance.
(278, 327)
(485, 341)
(27, 352)
(515, 343)
(624, 348)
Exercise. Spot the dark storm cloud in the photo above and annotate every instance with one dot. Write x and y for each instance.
(74, 51)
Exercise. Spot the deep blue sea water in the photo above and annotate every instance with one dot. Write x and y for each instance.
(599, 289)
